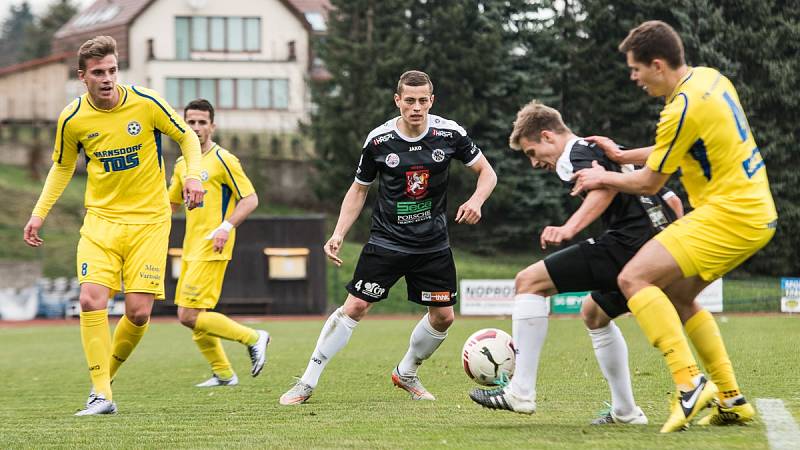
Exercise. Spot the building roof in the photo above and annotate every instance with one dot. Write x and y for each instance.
(103, 14)
(316, 12)
(34, 63)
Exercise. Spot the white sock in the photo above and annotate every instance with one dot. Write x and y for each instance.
(530, 329)
(612, 355)
(424, 341)
(333, 337)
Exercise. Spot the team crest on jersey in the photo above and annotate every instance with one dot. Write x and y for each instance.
(392, 160)
(417, 183)
(134, 128)
(204, 175)
(438, 155)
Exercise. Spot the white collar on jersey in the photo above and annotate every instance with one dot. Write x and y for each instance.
(406, 138)
(564, 167)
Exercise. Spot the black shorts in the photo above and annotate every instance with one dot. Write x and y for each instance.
(430, 277)
(592, 266)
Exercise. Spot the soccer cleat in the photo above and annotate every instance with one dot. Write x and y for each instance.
(608, 417)
(502, 398)
(258, 352)
(298, 394)
(412, 385)
(686, 405)
(96, 405)
(217, 381)
(739, 414)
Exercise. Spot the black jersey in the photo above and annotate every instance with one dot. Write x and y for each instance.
(410, 212)
(630, 219)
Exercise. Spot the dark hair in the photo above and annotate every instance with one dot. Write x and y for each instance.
(414, 78)
(654, 39)
(96, 47)
(200, 104)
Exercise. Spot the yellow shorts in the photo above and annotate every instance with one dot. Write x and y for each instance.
(116, 255)
(200, 283)
(710, 242)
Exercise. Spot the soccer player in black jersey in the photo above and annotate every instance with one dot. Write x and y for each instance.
(411, 155)
(591, 265)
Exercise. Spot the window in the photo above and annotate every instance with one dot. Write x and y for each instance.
(182, 44)
(216, 34)
(229, 93)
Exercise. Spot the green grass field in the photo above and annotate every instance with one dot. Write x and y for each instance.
(355, 405)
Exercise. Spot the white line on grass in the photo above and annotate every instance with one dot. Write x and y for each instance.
(782, 430)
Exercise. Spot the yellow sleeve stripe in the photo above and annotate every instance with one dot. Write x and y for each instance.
(229, 173)
(677, 132)
(160, 106)
(63, 127)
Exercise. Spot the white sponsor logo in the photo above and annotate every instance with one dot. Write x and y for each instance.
(414, 218)
(204, 175)
(438, 155)
(392, 160)
(442, 296)
(415, 148)
(134, 128)
(442, 133)
(381, 139)
(374, 290)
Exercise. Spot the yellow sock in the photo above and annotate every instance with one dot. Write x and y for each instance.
(704, 334)
(96, 340)
(662, 326)
(211, 348)
(219, 325)
(126, 337)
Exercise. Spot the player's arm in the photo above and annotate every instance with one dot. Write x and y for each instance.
(593, 206)
(642, 181)
(65, 155)
(175, 190)
(166, 120)
(246, 199)
(636, 156)
(470, 211)
(674, 202)
(352, 205)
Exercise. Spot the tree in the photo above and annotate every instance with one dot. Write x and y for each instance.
(39, 35)
(13, 33)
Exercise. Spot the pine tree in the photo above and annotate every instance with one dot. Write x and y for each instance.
(13, 34)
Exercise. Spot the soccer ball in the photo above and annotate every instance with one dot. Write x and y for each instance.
(489, 357)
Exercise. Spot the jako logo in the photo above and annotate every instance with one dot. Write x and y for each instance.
(381, 139)
(442, 133)
(415, 148)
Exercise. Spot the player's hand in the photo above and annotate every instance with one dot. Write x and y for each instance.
(609, 147)
(588, 179)
(332, 249)
(219, 240)
(469, 212)
(30, 234)
(192, 193)
(555, 236)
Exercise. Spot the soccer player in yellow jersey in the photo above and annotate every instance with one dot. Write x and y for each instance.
(704, 133)
(126, 229)
(208, 246)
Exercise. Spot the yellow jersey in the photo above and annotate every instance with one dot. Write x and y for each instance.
(703, 132)
(225, 183)
(122, 146)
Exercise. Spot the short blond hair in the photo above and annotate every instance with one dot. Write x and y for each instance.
(96, 47)
(532, 119)
(414, 78)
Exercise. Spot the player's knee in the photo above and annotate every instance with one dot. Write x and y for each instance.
(187, 320)
(138, 317)
(628, 283)
(593, 317)
(530, 281)
(91, 302)
(355, 308)
(442, 318)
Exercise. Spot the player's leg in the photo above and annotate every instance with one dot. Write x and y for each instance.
(702, 330)
(200, 288)
(131, 327)
(431, 282)
(378, 269)
(641, 280)
(611, 352)
(98, 267)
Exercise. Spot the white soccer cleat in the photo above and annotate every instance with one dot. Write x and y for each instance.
(502, 398)
(412, 385)
(258, 352)
(608, 417)
(298, 394)
(97, 405)
(215, 381)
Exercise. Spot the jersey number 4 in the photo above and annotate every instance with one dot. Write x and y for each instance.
(755, 161)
